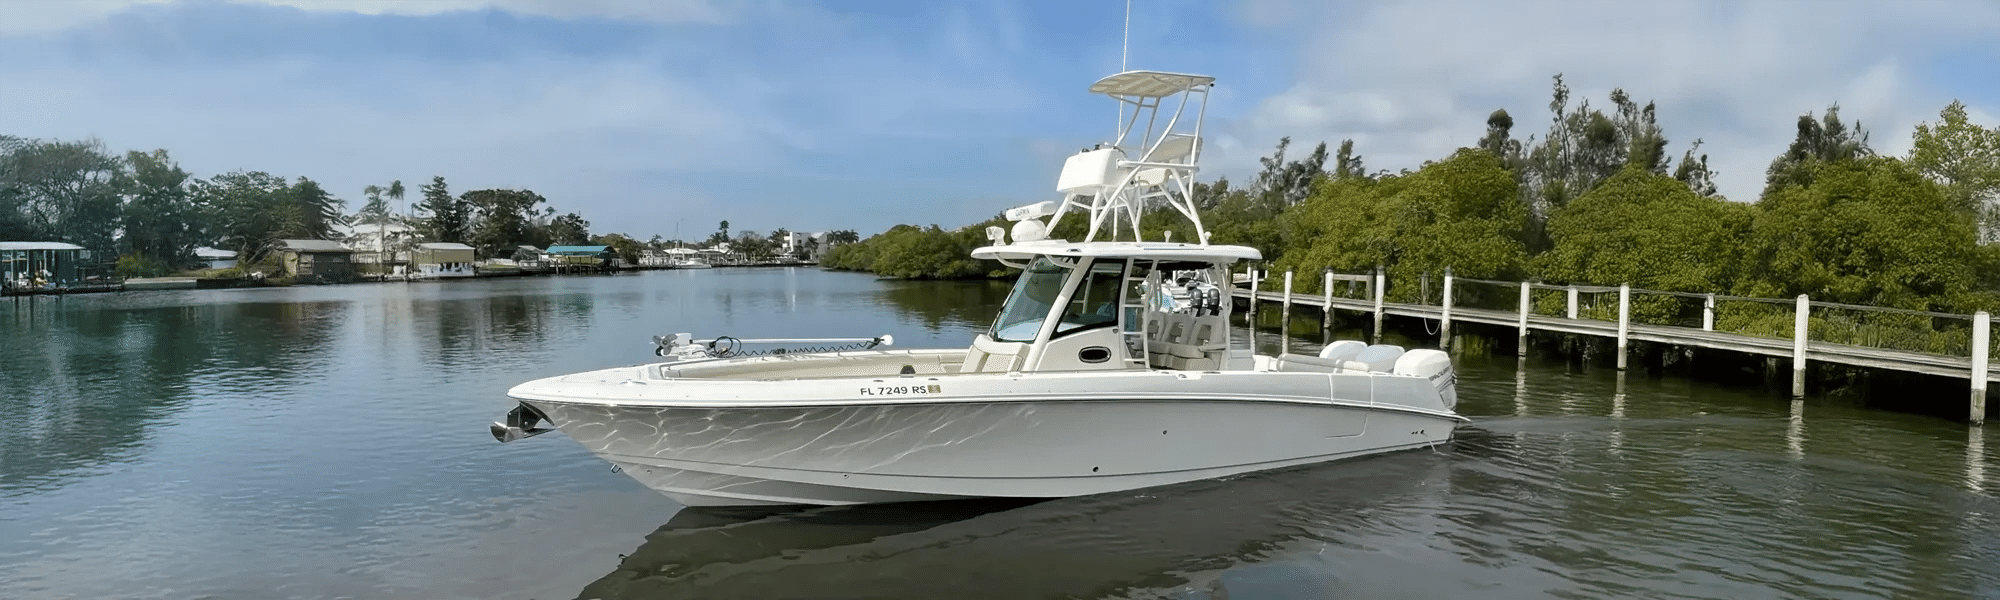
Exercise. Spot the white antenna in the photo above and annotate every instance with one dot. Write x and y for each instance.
(1125, 52)
(1124, 57)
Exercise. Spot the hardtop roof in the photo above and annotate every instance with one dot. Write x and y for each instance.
(1175, 251)
(1148, 84)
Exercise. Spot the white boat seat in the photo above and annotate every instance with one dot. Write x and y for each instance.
(988, 356)
(1198, 351)
(1380, 357)
(1300, 363)
(1342, 349)
(1173, 149)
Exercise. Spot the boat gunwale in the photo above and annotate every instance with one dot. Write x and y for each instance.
(1021, 398)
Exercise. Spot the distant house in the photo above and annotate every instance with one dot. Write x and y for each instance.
(383, 247)
(442, 259)
(529, 258)
(592, 256)
(656, 258)
(215, 258)
(40, 265)
(317, 261)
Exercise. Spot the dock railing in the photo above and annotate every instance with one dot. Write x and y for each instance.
(1936, 343)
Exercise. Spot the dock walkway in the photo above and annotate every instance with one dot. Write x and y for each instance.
(1974, 368)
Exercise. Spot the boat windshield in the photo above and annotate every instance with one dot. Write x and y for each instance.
(1028, 305)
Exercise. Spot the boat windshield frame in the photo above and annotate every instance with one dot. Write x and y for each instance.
(1022, 316)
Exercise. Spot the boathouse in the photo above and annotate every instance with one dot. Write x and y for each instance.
(442, 259)
(215, 258)
(317, 261)
(28, 266)
(588, 256)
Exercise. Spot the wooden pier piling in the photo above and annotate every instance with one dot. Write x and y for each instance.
(1624, 321)
(1982, 329)
(1444, 319)
(1799, 330)
(1285, 318)
(1326, 293)
(1526, 302)
(1378, 303)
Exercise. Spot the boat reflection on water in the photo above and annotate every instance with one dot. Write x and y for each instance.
(1202, 539)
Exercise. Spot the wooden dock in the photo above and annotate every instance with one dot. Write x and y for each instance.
(1974, 368)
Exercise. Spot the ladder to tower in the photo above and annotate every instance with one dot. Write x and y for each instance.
(1139, 288)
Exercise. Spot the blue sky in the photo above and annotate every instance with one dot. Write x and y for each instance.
(645, 116)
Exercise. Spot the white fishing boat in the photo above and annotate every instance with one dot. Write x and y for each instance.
(1097, 376)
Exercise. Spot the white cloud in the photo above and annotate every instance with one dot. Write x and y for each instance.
(664, 11)
(41, 16)
(1411, 81)
(37, 17)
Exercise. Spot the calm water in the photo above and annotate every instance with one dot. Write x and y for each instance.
(330, 442)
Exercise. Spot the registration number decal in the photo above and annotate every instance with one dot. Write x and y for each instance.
(892, 390)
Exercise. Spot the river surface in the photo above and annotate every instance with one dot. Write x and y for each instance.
(331, 442)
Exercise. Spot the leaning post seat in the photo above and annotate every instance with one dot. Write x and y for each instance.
(1379, 357)
(1342, 350)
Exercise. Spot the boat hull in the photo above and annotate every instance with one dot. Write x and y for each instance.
(972, 447)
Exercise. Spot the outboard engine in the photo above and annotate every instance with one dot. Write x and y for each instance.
(1435, 366)
(1212, 300)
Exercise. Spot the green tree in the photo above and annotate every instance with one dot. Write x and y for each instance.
(1651, 231)
(1347, 164)
(1462, 212)
(1254, 217)
(62, 191)
(1584, 146)
(1498, 139)
(247, 211)
(1823, 140)
(444, 218)
(569, 230)
(751, 246)
(1965, 159)
(375, 210)
(503, 218)
(1862, 231)
(161, 223)
(626, 247)
(312, 213)
(1694, 171)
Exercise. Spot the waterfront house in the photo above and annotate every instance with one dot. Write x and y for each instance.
(442, 259)
(316, 261)
(40, 265)
(530, 258)
(587, 256)
(380, 248)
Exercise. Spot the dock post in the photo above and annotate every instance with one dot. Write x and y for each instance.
(1799, 330)
(1708, 313)
(1444, 319)
(1285, 317)
(1253, 296)
(1424, 288)
(1624, 321)
(1525, 289)
(1982, 328)
(1378, 303)
(1326, 300)
(1571, 302)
